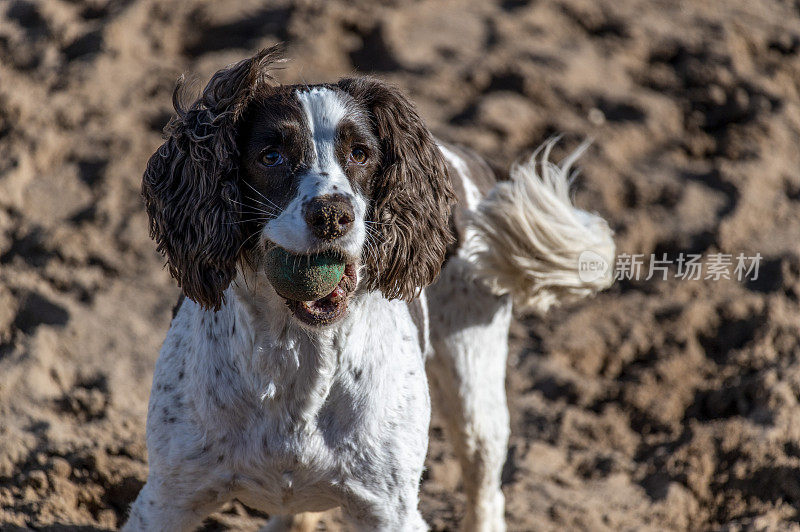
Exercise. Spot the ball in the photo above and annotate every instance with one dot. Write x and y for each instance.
(303, 277)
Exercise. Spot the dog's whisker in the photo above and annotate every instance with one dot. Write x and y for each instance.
(261, 213)
(259, 210)
(262, 219)
(256, 207)
(257, 214)
(245, 241)
(258, 204)
(373, 232)
(372, 249)
(261, 204)
(261, 194)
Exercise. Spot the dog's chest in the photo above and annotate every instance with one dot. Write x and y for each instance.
(298, 449)
(298, 471)
(301, 464)
(295, 428)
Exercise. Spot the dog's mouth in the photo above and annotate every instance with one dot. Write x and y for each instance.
(331, 308)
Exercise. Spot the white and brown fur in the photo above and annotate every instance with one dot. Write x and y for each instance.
(294, 408)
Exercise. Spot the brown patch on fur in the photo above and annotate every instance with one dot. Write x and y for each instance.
(411, 193)
(273, 120)
(189, 186)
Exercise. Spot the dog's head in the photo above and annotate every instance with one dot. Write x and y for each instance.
(346, 167)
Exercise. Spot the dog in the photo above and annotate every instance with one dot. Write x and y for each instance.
(295, 407)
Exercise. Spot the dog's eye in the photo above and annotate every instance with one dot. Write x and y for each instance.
(358, 156)
(271, 158)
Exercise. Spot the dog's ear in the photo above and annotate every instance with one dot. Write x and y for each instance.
(190, 185)
(410, 193)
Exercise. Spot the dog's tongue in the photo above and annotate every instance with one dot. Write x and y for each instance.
(337, 295)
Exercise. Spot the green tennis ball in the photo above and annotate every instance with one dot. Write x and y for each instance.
(303, 277)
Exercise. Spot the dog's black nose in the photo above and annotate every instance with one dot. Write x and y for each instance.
(330, 216)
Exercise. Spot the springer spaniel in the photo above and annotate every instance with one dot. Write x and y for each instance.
(297, 407)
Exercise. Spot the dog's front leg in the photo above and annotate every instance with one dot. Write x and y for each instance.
(171, 505)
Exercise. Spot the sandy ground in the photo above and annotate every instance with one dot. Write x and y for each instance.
(658, 405)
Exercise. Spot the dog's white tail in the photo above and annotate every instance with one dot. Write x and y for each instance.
(530, 241)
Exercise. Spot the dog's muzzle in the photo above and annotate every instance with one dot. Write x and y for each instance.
(329, 217)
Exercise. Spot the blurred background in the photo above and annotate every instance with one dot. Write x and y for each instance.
(658, 405)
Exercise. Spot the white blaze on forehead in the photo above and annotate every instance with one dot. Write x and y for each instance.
(324, 109)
